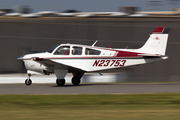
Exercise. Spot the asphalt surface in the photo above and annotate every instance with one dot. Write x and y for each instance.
(117, 88)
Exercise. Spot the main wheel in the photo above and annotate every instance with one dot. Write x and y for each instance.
(76, 80)
(28, 81)
(60, 82)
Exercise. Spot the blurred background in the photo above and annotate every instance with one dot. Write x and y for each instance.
(36, 26)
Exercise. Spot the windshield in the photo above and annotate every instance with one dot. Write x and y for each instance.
(63, 50)
(52, 49)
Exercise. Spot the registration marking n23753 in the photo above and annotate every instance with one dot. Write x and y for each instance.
(109, 63)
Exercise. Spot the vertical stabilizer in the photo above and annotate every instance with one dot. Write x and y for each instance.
(157, 42)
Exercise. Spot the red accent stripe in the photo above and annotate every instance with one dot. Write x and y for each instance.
(126, 54)
(38, 58)
(102, 57)
(159, 30)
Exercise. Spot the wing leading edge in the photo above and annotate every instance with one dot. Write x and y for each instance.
(50, 63)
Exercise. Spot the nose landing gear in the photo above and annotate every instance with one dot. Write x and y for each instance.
(28, 81)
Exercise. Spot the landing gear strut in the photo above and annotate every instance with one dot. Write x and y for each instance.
(60, 82)
(28, 81)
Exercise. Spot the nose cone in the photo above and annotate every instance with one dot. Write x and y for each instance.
(20, 58)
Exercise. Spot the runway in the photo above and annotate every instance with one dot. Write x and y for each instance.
(116, 88)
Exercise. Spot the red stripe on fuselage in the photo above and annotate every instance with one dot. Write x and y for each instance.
(86, 58)
(120, 53)
(118, 56)
(126, 54)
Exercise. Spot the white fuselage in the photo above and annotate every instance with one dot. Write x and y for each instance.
(107, 59)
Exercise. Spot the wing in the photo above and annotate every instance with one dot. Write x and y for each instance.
(45, 62)
(50, 63)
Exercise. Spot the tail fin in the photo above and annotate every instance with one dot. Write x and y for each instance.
(157, 42)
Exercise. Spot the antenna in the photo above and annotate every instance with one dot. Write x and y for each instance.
(94, 43)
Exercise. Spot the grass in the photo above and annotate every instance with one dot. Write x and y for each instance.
(90, 107)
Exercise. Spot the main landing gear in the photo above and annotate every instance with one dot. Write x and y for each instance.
(77, 78)
(60, 82)
(28, 81)
(75, 81)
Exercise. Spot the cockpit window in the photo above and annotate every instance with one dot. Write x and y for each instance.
(89, 51)
(63, 50)
(52, 49)
(76, 50)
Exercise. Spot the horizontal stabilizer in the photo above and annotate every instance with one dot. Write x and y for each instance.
(155, 55)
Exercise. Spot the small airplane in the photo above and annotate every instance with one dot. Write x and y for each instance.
(78, 59)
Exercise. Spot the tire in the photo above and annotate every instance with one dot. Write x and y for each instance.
(60, 82)
(28, 82)
(75, 80)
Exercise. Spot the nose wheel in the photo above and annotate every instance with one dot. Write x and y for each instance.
(28, 81)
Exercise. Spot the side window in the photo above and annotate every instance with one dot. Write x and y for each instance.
(89, 51)
(63, 50)
(76, 50)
